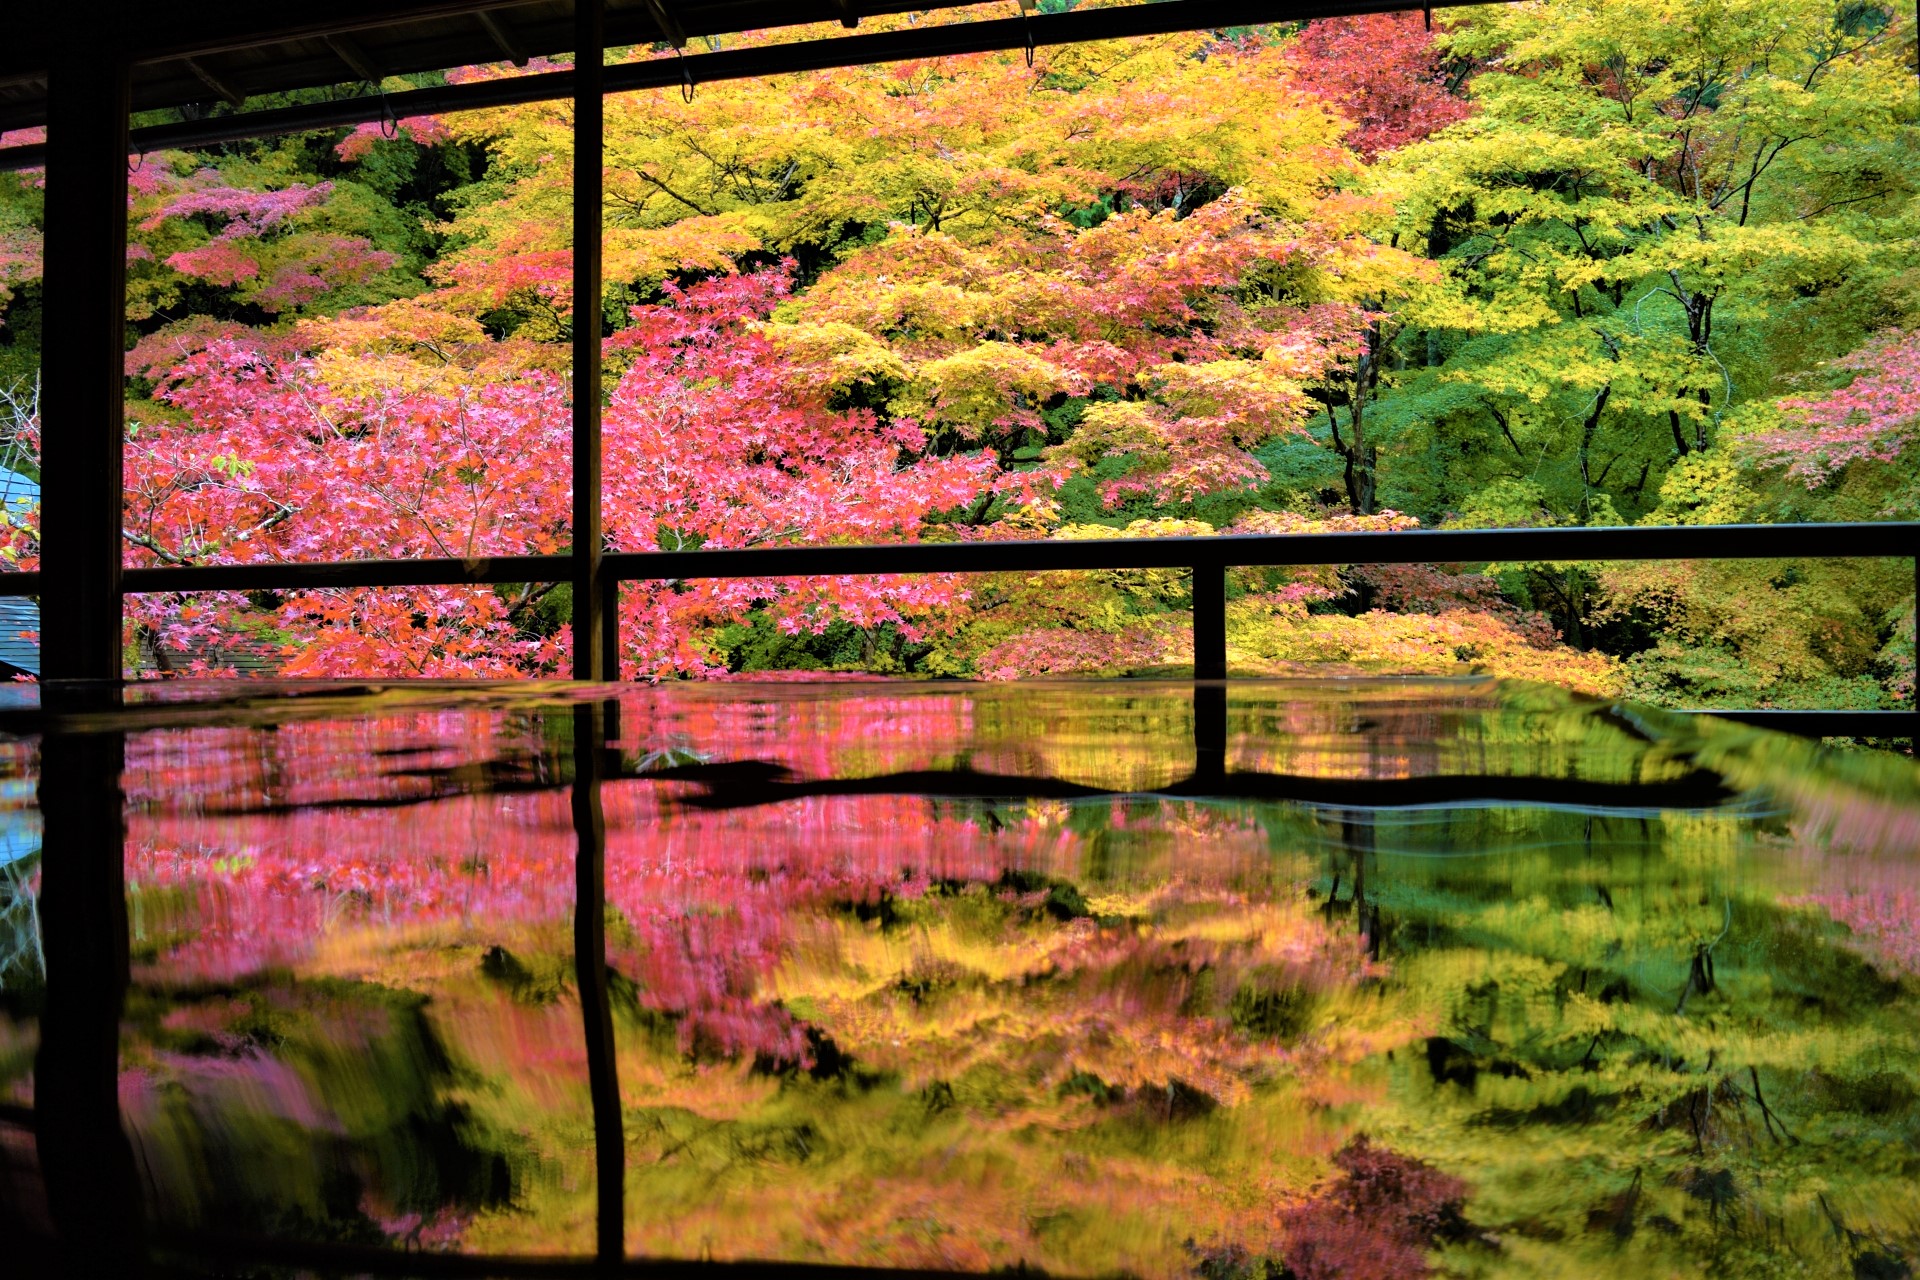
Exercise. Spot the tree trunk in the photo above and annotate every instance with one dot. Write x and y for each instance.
(1587, 430)
(1360, 460)
(1360, 454)
(1680, 444)
(1699, 309)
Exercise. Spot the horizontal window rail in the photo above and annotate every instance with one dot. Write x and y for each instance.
(1412, 546)
(1207, 557)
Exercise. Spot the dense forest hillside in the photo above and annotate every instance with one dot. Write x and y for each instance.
(1552, 263)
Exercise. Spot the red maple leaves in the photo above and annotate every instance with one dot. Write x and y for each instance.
(1384, 73)
(713, 439)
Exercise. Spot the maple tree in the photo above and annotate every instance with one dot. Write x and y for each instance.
(1620, 187)
(377, 445)
(261, 456)
(776, 463)
(1153, 271)
(1659, 217)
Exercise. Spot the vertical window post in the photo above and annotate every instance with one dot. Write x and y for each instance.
(1210, 621)
(82, 369)
(610, 624)
(1210, 672)
(590, 659)
(591, 651)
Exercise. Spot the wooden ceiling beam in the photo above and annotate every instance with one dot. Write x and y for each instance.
(670, 28)
(232, 96)
(501, 32)
(285, 43)
(152, 31)
(348, 50)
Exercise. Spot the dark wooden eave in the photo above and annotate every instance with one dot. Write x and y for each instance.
(198, 52)
(371, 53)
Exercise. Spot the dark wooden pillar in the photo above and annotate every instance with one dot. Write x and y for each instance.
(82, 361)
(85, 1158)
(590, 656)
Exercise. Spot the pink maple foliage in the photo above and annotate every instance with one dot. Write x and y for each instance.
(218, 262)
(714, 440)
(241, 211)
(427, 131)
(1072, 651)
(253, 241)
(33, 137)
(1883, 919)
(1445, 590)
(1873, 418)
(266, 461)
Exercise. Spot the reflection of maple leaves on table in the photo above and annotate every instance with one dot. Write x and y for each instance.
(1163, 1006)
(1884, 922)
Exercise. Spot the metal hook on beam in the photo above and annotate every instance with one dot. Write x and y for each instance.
(686, 78)
(1026, 7)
